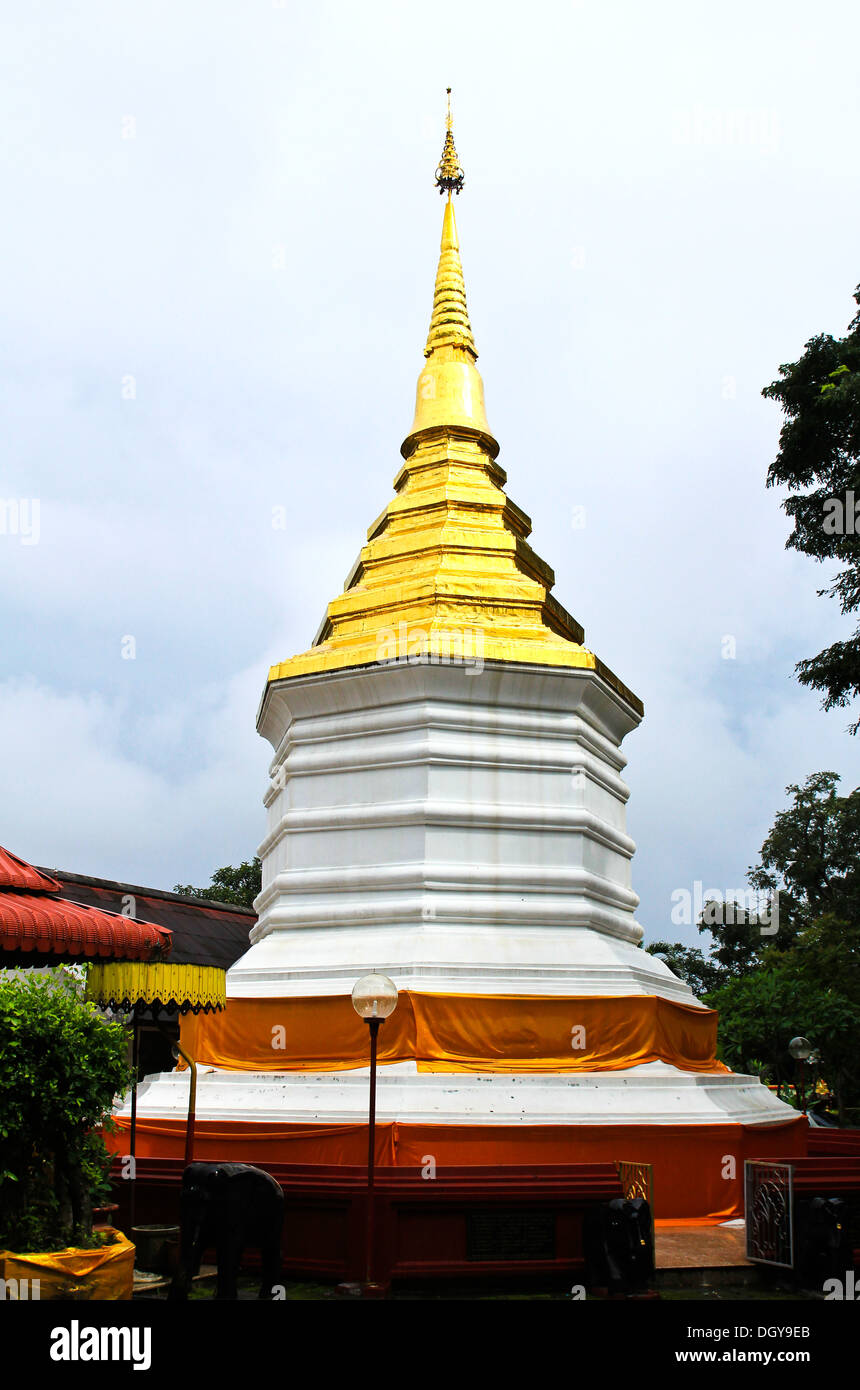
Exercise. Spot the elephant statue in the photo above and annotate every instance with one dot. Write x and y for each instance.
(229, 1206)
(618, 1246)
(823, 1240)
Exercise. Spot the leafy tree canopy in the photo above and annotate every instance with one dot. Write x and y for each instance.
(688, 963)
(811, 858)
(813, 851)
(760, 1014)
(794, 969)
(239, 885)
(819, 462)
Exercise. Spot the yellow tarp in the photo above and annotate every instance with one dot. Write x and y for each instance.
(106, 1273)
(458, 1032)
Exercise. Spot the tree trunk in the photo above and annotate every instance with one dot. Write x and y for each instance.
(62, 1190)
(82, 1202)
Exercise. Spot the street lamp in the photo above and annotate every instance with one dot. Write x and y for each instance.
(374, 998)
(801, 1051)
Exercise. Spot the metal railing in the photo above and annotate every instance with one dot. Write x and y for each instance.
(769, 1210)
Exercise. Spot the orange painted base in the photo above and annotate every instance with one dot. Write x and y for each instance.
(698, 1169)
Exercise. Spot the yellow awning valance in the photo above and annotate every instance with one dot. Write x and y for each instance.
(132, 984)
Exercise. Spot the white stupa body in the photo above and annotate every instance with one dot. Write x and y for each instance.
(461, 831)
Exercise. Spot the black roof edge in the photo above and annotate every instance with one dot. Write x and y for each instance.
(133, 889)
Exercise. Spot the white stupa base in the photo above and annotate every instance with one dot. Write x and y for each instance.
(651, 1094)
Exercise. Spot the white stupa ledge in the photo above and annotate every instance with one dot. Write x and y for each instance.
(653, 1094)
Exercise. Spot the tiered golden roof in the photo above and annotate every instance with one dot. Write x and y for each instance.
(447, 572)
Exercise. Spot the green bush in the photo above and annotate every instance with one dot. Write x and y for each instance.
(62, 1065)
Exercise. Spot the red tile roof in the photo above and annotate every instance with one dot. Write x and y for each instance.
(38, 927)
(205, 931)
(17, 873)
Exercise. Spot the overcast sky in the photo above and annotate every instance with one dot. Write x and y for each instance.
(219, 241)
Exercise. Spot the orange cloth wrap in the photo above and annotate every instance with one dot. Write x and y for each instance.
(693, 1181)
(458, 1032)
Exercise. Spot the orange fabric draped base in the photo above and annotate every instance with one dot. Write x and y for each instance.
(698, 1169)
(458, 1032)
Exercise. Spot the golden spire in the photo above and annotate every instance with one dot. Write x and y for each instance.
(450, 390)
(449, 175)
(449, 322)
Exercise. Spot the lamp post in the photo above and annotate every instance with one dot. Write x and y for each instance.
(801, 1051)
(374, 999)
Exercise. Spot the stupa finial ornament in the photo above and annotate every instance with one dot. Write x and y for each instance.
(449, 176)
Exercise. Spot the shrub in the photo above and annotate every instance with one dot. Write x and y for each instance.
(62, 1065)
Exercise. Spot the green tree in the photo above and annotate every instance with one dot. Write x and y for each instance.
(826, 959)
(811, 858)
(813, 851)
(761, 1012)
(240, 885)
(796, 968)
(819, 462)
(688, 963)
(742, 935)
(62, 1065)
